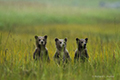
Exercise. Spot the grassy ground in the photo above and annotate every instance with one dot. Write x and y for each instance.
(19, 24)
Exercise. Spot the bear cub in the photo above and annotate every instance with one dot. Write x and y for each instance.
(61, 54)
(41, 51)
(81, 51)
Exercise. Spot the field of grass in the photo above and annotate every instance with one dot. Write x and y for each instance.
(20, 22)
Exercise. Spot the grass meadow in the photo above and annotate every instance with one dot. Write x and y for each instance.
(20, 21)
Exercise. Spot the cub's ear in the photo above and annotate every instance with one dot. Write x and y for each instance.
(86, 39)
(36, 37)
(56, 39)
(77, 39)
(45, 36)
(65, 39)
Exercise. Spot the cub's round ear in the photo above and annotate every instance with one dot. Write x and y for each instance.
(36, 37)
(77, 39)
(45, 36)
(86, 39)
(65, 39)
(56, 39)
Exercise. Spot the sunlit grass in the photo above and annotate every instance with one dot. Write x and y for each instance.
(16, 56)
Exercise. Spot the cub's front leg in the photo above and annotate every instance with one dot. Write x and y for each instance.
(57, 57)
(36, 54)
(77, 56)
(47, 56)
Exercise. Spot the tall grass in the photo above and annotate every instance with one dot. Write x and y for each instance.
(103, 49)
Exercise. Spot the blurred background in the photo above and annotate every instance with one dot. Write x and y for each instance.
(21, 13)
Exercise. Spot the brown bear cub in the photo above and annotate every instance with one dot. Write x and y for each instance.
(61, 55)
(81, 52)
(41, 51)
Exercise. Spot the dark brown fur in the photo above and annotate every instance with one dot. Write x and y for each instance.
(41, 51)
(61, 54)
(81, 52)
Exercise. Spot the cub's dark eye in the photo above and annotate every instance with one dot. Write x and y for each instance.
(60, 42)
(81, 42)
(43, 39)
(39, 39)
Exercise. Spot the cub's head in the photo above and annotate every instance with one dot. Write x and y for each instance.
(81, 42)
(41, 40)
(60, 43)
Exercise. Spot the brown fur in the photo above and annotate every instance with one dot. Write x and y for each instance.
(61, 54)
(81, 52)
(41, 51)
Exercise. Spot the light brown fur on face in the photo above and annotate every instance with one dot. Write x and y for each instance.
(41, 40)
(81, 42)
(60, 43)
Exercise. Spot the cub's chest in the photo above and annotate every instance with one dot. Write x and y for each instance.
(42, 52)
(81, 53)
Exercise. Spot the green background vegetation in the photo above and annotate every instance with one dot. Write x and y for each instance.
(21, 20)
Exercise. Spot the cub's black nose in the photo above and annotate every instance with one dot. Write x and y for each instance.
(41, 42)
(84, 45)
